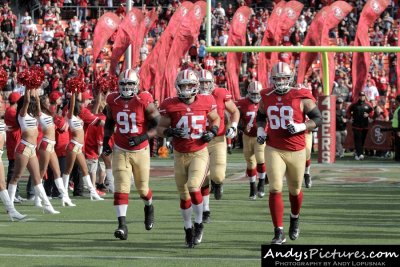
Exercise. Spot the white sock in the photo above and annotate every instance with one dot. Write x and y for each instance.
(261, 175)
(307, 170)
(121, 210)
(148, 202)
(12, 188)
(206, 203)
(187, 217)
(252, 179)
(294, 216)
(6, 200)
(198, 213)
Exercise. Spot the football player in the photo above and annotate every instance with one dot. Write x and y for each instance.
(135, 119)
(184, 118)
(285, 109)
(253, 152)
(217, 147)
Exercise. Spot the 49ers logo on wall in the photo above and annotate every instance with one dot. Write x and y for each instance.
(377, 137)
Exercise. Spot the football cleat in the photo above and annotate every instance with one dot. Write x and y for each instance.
(260, 188)
(279, 237)
(189, 237)
(218, 191)
(198, 233)
(148, 217)
(307, 180)
(253, 190)
(121, 232)
(206, 216)
(294, 230)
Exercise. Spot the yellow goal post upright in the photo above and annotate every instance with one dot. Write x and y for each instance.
(326, 141)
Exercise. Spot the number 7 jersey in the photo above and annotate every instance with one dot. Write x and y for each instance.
(280, 110)
(130, 118)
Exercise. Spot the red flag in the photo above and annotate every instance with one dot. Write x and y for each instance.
(286, 21)
(268, 40)
(398, 64)
(186, 35)
(361, 61)
(158, 56)
(313, 38)
(127, 32)
(145, 26)
(337, 12)
(237, 37)
(105, 27)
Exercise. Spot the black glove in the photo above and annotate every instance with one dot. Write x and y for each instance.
(209, 135)
(137, 140)
(174, 132)
(106, 149)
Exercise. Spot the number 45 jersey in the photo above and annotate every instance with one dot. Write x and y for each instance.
(280, 110)
(130, 118)
(190, 117)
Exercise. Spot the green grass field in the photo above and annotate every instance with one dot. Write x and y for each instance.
(350, 203)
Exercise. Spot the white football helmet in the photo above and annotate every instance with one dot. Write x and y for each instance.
(206, 80)
(187, 84)
(253, 91)
(128, 83)
(282, 78)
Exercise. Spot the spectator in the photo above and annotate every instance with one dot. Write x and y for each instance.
(341, 132)
(341, 90)
(371, 92)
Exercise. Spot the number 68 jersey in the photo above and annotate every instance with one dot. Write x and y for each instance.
(190, 117)
(130, 118)
(280, 110)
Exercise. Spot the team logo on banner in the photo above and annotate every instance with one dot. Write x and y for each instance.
(240, 17)
(133, 19)
(290, 13)
(338, 13)
(110, 23)
(375, 7)
(377, 136)
(184, 11)
(147, 22)
(197, 12)
(278, 11)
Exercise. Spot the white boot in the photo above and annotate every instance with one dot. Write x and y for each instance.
(38, 202)
(12, 212)
(47, 207)
(65, 178)
(92, 190)
(12, 188)
(65, 201)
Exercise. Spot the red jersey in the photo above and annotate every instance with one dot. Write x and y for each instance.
(130, 118)
(280, 110)
(248, 113)
(62, 136)
(192, 118)
(221, 96)
(13, 132)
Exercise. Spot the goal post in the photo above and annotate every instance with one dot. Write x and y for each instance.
(328, 149)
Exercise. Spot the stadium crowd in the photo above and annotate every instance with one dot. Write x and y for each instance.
(62, 47)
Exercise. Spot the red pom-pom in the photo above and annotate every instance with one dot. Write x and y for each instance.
(3, 78)
(75, 85)
(113, 82)
(32, 78)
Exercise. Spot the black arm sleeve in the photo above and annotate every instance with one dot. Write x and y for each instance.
(261, 117)
(152, 124)
(316, 116)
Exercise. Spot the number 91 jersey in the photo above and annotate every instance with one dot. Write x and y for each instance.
(280, 110)
(130, 118)
(192, 118)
